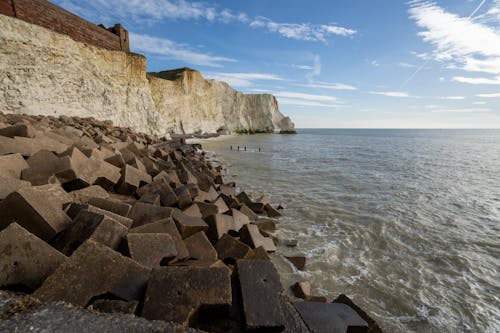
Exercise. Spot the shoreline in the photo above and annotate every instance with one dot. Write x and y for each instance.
(128, 209)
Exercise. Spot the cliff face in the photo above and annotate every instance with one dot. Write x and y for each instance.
(43, 72)
(193, 104)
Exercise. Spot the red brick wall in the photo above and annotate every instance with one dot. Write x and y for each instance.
(50, 16)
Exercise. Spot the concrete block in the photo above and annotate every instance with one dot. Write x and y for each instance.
(183, 196)
(271, 212)
(223, 208)
(34, 212)
(265, 224)
(200, 248)
(248, 212)
(114, 206)
(260, 254)
(302, 289)
(10, 185)
(26, 259)
(251, 236)
(239, 219)
(193, 210)
(207, 209)
(373, 326)
(12, 165)
(143, 213)
(163, 189)
(17, 130)
(151, 249)
(260, 290)
(188, 225)
(95, 191)
(152, 199)
(43, 165)
(166, 226)
(93, 270)
(298, 261)
(131, 180)
(229, 249)
(184, 294)
(115, 306)
(219, 225)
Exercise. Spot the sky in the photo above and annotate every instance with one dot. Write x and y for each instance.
(331, 64)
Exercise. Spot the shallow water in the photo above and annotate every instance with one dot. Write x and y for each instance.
(405, 222)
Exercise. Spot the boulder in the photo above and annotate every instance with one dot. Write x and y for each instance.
(12, 165)
(143, 213)
(149, 249)
(26, 259)
(260, 291)
(200, 248)
(89, 225)
(229, 249)
(93, 270)
(184, 294)
(251, 236)
(188, 225)
(36, 213)
(330, 317)
(298, 261)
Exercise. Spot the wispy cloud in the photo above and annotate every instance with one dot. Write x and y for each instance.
(477, 80)
(391, 93)
(465, 110)
(310, 97)
(461, 42)
(301, 31)
(315, 68)
(330, 86)
(406, 65)
(241, 79)
(494, 95)
(303, 99)
(152, 11)
(172, 50)
(301, 102)
(375, 63)
(480, 103)
(453, 97)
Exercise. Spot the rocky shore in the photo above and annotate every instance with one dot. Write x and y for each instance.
(100, 226)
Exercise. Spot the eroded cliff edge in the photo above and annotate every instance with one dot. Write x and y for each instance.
(47, 73)
(192, 104)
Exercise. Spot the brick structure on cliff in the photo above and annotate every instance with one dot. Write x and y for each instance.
(50, 16)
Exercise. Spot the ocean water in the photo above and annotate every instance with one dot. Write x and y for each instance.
(405, 222)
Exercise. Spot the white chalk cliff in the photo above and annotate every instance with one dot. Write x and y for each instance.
(43, 72)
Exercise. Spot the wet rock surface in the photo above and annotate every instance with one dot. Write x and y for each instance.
(100, 225)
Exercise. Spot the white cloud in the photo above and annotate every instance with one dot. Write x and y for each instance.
(460, 41)
(453, 97)
(375, 63)
(301, 102)
(241, 79)
(331, 86)
(315, 68)
(305, 67)
(476, 80)
(173, 50)
(390, 93)
(301, 31)
(466, 110)
(309, 97)
(406, 65)
(480, 103)
(495, 95)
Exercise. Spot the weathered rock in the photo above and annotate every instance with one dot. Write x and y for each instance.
(184, 294)
(114, 206)
(115, 306)
(143, 213)
(260, 290)
(248, 212)
(12, 165)
(94, 269)
(26, 259)
(200, 248)
(89, 225)
(373, 326)
(36, 213)
(10, 185)
(150, 249)
(131, 180)
(297, 261)
(271, 212)
(229, 249)
(188, 225)
(251, 235)
(330, 317)
(166, 226)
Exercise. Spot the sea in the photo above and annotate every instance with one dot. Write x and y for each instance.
(404, 222)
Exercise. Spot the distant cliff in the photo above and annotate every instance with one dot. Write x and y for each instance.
(44, 72)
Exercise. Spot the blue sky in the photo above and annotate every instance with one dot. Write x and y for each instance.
(358, 63)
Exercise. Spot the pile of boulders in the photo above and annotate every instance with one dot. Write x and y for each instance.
(114, 221)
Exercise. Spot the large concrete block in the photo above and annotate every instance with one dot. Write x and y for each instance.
(183, 294)
(200, 248)
(373, 326)
(163, 189)
(183, 196)
(12, 165)
(330, 317)
(26, 259)
(251, 235)
(36, 213)
(260, 290)
(94, 191)
(248, 212)
(131, 180)
(89, 225)
(188, 225)
(229, 249)
(17, 130)
(114, 206)
(10, 185)
(219, 225)
(150, 249)
(93, 270)
(166, 226)
(143, 213)
(43, 165)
